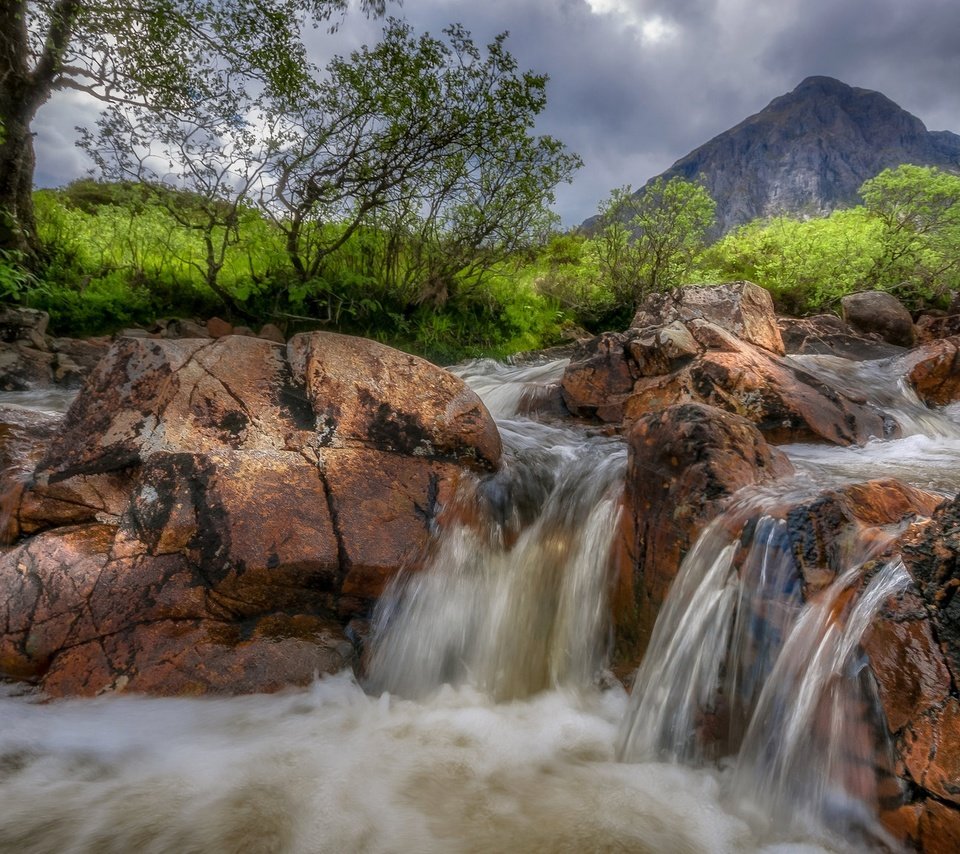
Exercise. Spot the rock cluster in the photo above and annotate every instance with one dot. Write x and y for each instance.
(212, 513)
(697, 356)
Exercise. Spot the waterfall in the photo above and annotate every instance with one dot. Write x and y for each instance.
(487, 721)
(514, 599)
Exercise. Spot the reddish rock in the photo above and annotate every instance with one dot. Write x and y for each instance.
(368, 394)
(934, 371)
(47, 583)
(385, 506)
(271, 332)
(907, 664)
(932, 327)
(684, 463)
(931, 751)
(786, 404)
(741, 308)
(879, 313)
(175, 658)
(939, 829)
(600, 378)
(218, 328)
(233, 537)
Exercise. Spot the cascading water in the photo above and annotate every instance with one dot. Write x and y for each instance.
(513, 607)
(515, 598)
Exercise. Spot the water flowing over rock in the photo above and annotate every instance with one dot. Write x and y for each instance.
(620, 377)
(684, 463)
(828, 335)
(211, 512)
(756, 653)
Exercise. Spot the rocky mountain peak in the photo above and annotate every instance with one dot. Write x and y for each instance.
(809, 151)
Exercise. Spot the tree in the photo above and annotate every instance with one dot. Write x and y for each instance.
(650, 239)
(202, 172)
(162, 55)
(919, 210)
(429, 137)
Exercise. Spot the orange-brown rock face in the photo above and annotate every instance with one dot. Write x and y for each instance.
(684, 462)
(370, 394)
(914, 656)
(741, 308)
(200, 531)
(619, 378)
(934, 371)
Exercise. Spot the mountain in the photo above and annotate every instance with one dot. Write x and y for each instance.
(809, 151)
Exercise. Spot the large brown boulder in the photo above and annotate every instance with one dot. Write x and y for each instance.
(881, 314)
(786, 403)
(684, 463)
(369, 394)
(741, 308)
(933, 370)
(198, 527)
(914, 655)
(619, 377)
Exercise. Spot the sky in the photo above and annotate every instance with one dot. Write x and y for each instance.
(637, 84)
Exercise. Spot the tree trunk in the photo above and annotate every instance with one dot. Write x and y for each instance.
(18, 228)
(25, 85)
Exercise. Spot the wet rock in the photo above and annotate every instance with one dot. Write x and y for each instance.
(386, 507)
(600, 377)
(684, 463)
(86, 353)
(934, 371)
(23, 367)
(199, 532)
(786, 403)
(175, 658)
(879, 313)
(848, 525)
(933, 326)
(47, 583)
(661, 350)
(914, 655)
(742, 308)
(24, 437)
(365, 393)
(24, 325)
(828, 335)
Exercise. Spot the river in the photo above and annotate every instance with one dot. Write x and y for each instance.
(488, 722)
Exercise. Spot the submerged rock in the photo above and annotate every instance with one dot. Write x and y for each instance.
(203, 525)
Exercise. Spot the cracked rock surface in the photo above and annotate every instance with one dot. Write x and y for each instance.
(210, 514)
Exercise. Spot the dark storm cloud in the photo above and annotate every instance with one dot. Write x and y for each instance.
(636, 84)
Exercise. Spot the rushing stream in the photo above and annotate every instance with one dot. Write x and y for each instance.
(488, 722)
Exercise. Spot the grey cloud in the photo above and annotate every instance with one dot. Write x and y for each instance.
(632, 109)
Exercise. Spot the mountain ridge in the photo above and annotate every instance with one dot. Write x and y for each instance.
(809, 151)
